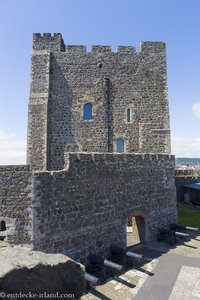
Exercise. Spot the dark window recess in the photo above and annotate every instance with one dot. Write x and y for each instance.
(128, 115)
(87, 111)
(3, 226)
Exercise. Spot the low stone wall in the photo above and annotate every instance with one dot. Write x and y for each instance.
(84, 209)
(16, 193)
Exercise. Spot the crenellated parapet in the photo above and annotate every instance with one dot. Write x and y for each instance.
(55, 43)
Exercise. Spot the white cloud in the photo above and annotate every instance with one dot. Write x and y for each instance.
(12, 149)
(196, 109)
(183, 147)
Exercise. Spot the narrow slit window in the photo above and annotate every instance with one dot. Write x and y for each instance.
(128, 115)
(3, 226)
(120, 146)
(87, 111)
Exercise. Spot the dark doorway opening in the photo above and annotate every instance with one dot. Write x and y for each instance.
(135, 231)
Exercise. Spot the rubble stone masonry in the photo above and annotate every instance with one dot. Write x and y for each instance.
(85, 208)
(16, 191)
(64, 78)
(79, 203)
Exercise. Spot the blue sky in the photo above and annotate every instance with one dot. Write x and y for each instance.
(106, 22)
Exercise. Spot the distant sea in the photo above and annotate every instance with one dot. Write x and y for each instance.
(188, 161)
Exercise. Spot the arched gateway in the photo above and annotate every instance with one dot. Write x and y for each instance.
(136, 227)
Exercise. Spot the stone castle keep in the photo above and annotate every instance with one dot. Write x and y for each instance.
(98, 150)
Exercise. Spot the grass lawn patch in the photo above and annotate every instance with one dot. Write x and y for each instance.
(189, 215)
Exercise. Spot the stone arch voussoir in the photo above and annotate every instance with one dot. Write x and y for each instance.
(136, 212)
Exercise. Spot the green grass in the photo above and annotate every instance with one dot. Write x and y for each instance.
(185, 176)
(189, 215)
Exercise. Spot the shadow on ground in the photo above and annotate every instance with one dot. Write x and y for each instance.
(125, 286)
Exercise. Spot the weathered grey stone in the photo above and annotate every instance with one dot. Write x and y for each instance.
(85, 208)
(79, 204)
(16, 192)
(26, 271)
(63, 79)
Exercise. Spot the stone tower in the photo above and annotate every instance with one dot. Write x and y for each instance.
(124, 94)
(97, 103)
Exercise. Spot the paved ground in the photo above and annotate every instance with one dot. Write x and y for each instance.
(187, 284)
(170, 273)
(166, 271)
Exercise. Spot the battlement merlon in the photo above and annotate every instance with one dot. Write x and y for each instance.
(55, 43)
(155, 47)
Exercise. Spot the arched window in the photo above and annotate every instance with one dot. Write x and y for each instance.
(76, 148)
(128, 115)
(120, 145)
(87, 111)
(69, 149)
(3, 226)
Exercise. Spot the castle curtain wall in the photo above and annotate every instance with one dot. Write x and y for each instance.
(84, 209)
(16, 210)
